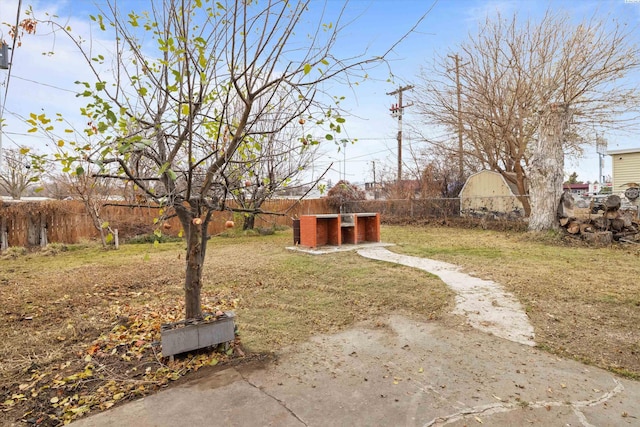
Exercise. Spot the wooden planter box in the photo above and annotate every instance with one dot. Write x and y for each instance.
(189, 335)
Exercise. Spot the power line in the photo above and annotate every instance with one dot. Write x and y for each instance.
(45, 84)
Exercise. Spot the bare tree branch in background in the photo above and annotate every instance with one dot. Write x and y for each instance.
(21, 169)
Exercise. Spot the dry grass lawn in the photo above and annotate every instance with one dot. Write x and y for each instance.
(79, 326)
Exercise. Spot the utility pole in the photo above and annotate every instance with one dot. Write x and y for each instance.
(4, 65)
(601, 149)
(375, 184)
(396, 111)
(458, 93)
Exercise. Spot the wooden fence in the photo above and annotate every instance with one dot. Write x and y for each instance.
(30, 224)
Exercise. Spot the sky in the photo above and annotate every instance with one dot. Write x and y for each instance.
(45, 83)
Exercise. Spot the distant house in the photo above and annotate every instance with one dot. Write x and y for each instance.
(626, 168)
(576, 189)
(488, 192)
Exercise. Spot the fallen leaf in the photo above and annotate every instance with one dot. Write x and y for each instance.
(421, 370)
(479, 420)
(54, 399)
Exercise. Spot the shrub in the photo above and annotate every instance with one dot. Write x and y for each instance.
(151, 238)
(342, 193)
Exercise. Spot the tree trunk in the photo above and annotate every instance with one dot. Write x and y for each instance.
(33, 231)
(613, 203)
(249, 222)
(573, 227)
(193, 276)
(546, 169)
(195, 231)
(566, 206)
(522, 189)
(601, 238)
(93, 211)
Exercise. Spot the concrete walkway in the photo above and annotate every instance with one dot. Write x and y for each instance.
(394, 372)
(486, 305)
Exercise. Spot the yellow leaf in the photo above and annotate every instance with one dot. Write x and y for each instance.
(185, 109)
(60, 143)
(479, 420)
(421, 370)
(80, 409)
(54, 400)
(118, 396)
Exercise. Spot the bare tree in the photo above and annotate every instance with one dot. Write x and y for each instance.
(282, 161)
(192, 81)
(436, 171)
(21, 168)
(94, 192)
(511, 77)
